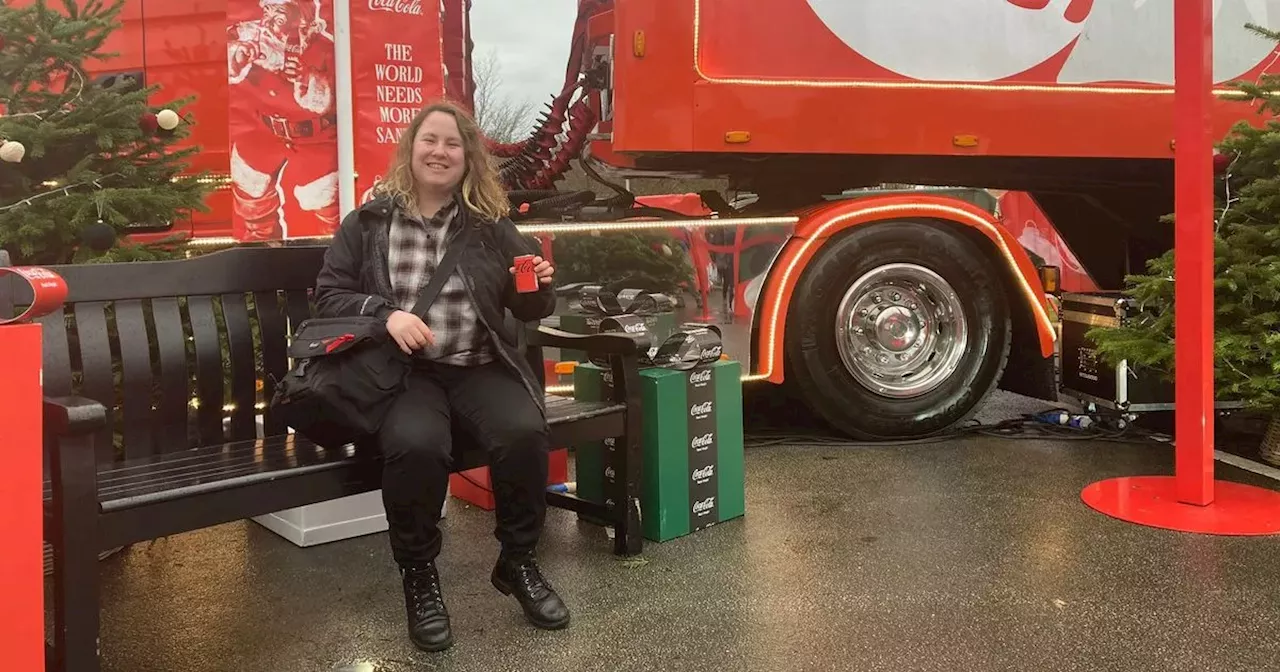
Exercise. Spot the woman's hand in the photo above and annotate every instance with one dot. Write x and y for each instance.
(409, 331)
(541, 268)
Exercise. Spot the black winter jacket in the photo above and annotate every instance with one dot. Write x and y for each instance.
(355, 280)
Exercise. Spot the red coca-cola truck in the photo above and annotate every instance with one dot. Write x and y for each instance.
(890, 312)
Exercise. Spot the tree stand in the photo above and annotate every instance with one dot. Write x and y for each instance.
(1270, 450)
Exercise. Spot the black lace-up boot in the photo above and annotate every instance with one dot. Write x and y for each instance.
(428, 618)
(518, 574)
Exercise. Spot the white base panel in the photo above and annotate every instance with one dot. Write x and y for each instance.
(334, 520)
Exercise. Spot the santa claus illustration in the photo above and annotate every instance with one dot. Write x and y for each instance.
(284, 129)
(989, 40)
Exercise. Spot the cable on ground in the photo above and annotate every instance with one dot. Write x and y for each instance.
(1054, 424)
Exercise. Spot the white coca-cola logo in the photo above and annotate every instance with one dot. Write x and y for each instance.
(609, 473)
(699, 377)
(610, 442)
(406, 7)
(704, 441)
(608, 377)
(701, 409)
(634, 328)
(712, 353)
(703, 506)
(704, 473)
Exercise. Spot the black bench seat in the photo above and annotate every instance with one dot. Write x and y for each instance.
(231, 467)
(157, 378)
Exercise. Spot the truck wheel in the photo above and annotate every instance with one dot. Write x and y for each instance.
(897, 330)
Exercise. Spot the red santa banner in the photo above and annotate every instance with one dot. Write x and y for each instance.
(283, 120)
(396, 69)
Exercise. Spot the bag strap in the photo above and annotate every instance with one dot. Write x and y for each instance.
(428, 294)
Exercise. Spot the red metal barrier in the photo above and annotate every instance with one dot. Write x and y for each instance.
(21, 501)
(22, 562)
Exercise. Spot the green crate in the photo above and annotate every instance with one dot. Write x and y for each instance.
(693, 447)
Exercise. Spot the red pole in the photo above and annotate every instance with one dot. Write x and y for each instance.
(21, 515)
(1190, 500)
(1193, 250)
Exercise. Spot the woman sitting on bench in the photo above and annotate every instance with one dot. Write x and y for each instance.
(440, 182)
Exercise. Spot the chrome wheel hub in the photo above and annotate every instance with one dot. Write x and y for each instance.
(901, 330)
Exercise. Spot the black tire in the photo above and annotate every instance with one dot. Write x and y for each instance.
(818, 374)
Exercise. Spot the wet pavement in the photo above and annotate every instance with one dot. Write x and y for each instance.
(971, 554)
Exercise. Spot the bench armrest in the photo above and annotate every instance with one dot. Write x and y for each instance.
(613, 343)
(72, 416)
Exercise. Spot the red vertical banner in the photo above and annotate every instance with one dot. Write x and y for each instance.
(21, 509)
(396, 69)
(283, 118)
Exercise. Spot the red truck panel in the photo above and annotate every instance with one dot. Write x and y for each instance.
(185, 52)
(1042, 78)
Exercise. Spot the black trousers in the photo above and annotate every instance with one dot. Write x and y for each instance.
(492, 406)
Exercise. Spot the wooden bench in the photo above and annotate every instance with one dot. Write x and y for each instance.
(156, 380)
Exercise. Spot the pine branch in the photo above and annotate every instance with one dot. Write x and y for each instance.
(88, 157)
(1246, 272)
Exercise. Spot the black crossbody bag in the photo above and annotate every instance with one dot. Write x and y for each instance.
(347, 371)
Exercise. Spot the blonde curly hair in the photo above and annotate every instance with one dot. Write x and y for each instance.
(481, 189)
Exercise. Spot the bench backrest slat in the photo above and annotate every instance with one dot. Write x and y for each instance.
(273, 348)
(241, 269)
(135, 389)
(244, 375)
(208, 364)
(298, 306)
(57, 360)
(172, 405)
(97, 372)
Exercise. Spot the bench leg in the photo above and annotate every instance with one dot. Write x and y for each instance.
(75, 555)
(628, 535)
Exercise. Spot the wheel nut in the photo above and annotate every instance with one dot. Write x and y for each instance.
(876, 298)
(897, 296)
(884, 359)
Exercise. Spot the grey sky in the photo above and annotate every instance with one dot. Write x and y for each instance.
(531, 41)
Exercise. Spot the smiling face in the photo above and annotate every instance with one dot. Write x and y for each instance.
(439, 155)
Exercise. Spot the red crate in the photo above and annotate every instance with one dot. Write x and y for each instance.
(473, 486)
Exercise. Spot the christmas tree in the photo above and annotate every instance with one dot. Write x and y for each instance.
(652, 262)
(1247, 273)
(78, 154)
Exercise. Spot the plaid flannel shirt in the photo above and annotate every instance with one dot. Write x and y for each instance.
(415, 250)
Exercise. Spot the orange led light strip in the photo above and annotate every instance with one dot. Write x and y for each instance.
(574, 227)
(814, 239)
(640, 225)
(918, 85)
